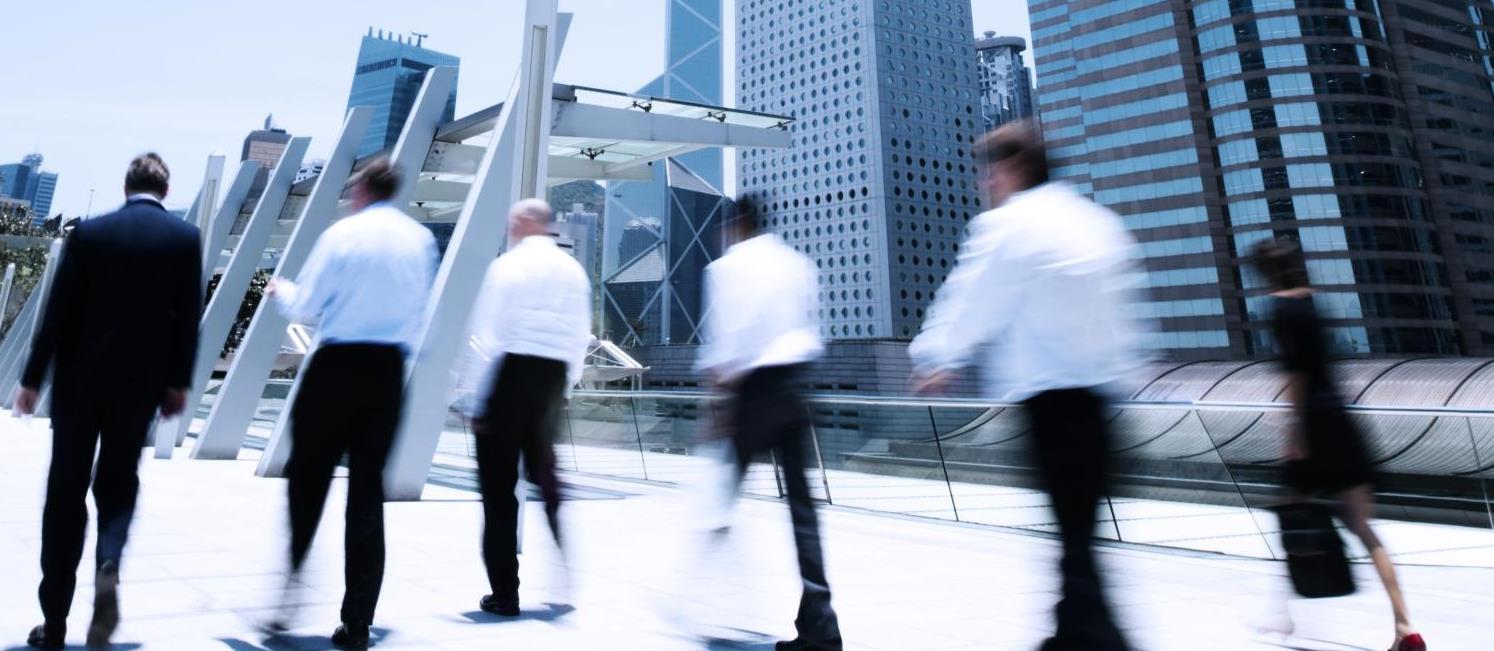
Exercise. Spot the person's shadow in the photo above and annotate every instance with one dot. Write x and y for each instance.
(290, 642)
(550, 614)
(123, 646)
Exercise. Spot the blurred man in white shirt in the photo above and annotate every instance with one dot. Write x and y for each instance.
(365, 287)
(761, 331)
(533, 321)
(1047, 273)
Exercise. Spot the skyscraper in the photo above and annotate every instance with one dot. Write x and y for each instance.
(1005, 81)
(1357, 127)
(676, 217)
(25, 181)
(264, 146)
(879, 184)
(388, 77)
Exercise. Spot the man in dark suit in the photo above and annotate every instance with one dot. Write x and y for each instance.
(119, 333)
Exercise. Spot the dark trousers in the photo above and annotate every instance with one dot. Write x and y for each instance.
(521, 414)
(118, 433)
(1072, 446)
(767, 413)
(348, 404)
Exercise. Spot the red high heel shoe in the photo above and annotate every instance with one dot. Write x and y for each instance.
(1412, 642)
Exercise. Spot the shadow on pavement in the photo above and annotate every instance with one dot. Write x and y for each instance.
(550, 613)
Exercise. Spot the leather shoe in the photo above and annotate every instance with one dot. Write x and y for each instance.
(105, 605)
(350, 636)
(47, 637)
(501, 607)
(801, 644)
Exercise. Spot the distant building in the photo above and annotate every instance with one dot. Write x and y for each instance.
(1363, 130)
(579, 233)
(1005, 81)
(25, 181)
(311, 169)
(646, 216)
(878, 185)
(264, 146)
(390, 70)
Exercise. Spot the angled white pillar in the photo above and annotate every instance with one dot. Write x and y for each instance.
(223, 308)
(207, 196)
(217, 225)
(42, 292)
(409, 154)
(233, 411)
(513, 168)
(13, 354)
(10, 279)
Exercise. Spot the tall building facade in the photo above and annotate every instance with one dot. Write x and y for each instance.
(878, 185)
(678, 215)
(1005, 80)
(25, 181)
(390, 70)
(264, 146)
(1212, 125)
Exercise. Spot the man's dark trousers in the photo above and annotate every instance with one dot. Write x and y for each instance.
(1071, 442)
(521, 415)
(767, 412)
(117, 431)
(349, 403)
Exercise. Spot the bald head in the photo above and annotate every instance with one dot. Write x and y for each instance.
(529, 217)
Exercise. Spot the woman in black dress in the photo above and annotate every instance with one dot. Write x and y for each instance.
(1326, 454)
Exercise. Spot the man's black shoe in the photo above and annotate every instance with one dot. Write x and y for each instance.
(47, 637)
(350, 636)
(801, 644)
(105, 605)
(501, 607)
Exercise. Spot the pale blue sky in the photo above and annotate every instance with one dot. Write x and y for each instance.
(100, 81)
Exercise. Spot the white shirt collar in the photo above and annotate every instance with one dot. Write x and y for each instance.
(531, 240)
(143, 196)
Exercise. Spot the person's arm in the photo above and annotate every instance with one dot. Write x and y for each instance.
(481, 345)
(977, 301)
(714, 353)
(61, 313)
(186, 317)
(304, 300)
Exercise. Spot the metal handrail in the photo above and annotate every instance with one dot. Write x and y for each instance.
(968, 403)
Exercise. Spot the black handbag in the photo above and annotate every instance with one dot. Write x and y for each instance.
(1316, 560)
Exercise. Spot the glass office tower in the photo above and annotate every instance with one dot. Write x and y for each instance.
(878, 185)
(659, 235)
(1213, 125)
(390, 70)
(25, 181)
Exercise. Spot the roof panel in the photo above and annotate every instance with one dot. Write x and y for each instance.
(1420, 383)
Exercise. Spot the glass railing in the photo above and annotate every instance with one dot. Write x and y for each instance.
(1197, 476)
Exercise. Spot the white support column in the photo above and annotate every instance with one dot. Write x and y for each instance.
(207, 196)
(228, 420)
(513, 168)
(409, 154)
(217, 225)
(223, 308)
(10, 279)
(42, 292)
(13, 355)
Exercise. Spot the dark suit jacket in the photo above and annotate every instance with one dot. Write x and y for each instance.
(120, 325)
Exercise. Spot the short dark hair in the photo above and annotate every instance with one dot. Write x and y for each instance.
(1281, 262)
(147, 174)
(1018, 144)
(746, 216)
(380, 178)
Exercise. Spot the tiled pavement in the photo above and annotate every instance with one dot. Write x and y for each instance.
(205, 563)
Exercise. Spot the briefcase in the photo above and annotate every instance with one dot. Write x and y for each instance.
(1316, 560)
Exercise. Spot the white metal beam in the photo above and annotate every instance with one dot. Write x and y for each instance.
(410, 151)
(215, 235)
(223, 308)
(513, 168)
(43, 292)
(228, 420)
(565, 168)
(575, 120)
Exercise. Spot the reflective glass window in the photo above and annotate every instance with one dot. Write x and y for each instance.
(1235, 152)
(1303, 144)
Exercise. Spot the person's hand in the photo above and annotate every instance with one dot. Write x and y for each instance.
(272, 287)
(174, 402)
(931, 384)
(26, 399)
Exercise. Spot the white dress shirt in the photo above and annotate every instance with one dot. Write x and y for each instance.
(762, 309)
(535, 301)
(367, 280)
(1045, 277)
